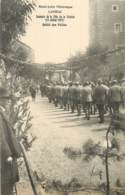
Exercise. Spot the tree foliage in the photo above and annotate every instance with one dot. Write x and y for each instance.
(15, 16)
(91, 63)
(97, 49)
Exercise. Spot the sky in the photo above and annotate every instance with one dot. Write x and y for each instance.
(57, 44)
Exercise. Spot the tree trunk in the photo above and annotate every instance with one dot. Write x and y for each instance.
(107, 176)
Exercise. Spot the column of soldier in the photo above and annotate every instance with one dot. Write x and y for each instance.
(90, 98)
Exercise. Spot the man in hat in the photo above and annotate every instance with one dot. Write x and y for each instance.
(65, 95)
(10, 148)
(72, 90)
(69, 93)
(100, 98)
(77, 97)
(115, 96)
(87, 99)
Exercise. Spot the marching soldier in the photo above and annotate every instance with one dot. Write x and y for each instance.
(56, 95)
(100, 98)
(115, 96)
(42, 89)
(65, 96)
(60, 95)
(72, 97)
(69, 95)
(77, 97)
(53, 92)
(32, 92)
(107, 107)
(49, 91)
(87, 99)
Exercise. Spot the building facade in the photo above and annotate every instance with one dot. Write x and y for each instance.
(107, 23)
(22, 51)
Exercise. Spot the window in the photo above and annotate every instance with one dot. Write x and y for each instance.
(115, 8)
(117, 27)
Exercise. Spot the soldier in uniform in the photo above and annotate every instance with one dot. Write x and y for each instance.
(60, 94)
(69, 98)
(100, 98)
(87, 99)
(10, 148)
(32, 92)
(115, 96)
(77, 97)
(65, 96)
(42, 89)
(56, 95)
(49, 89)
(53, 93)
(72, 97)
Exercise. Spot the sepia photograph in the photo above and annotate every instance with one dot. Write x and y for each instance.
(62, 97)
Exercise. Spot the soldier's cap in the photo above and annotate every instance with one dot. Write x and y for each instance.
(4, 94)
(86, 83)
(69, 82)
(76, 83)
(100, 81)
(92, 84)
(114, 81)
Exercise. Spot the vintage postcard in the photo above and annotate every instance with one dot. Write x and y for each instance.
(62, 97)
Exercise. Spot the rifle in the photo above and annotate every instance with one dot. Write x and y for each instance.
(34, 184)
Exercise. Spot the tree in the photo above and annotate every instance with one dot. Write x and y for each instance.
(96, 49)
(14, 17)
(91, 63)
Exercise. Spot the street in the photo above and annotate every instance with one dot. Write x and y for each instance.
(56, 129)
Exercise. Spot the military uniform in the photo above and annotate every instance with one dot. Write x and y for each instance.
(115, 97)
(49, 91)
(65, 96)
(69, 98)
(72, 91)
(87, 99)
(77, 98)
(32, 92)
(100, 98)
(56, 96)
